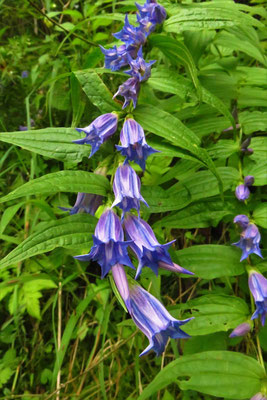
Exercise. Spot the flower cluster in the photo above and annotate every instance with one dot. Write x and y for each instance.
(113, 235)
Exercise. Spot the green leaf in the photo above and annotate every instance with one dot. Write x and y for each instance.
(250, 96)
(199, 215)
(210, 261)
(97, 91)
(74, 230)
(8, 215)
(178, 53)
(260, 215)
(62, 181)
(218, 373)
(253, 121)
(223, 149)
(199, 185)
(208, 15)
(50, 142)
(258, 170)
(253, 75)
(213, 313)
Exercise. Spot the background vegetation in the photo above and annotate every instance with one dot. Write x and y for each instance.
(61, 325)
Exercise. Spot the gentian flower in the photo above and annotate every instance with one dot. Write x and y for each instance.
(242, 221)
(117, 57)
(129, 90)
(109, 246)
(258, 287)
(244, 147)
(126, 188)
(249, 241)
(242, 192)
(241, 330)
(130, 34)
(151, 11)
(148, 250)
(133, 143)
(149, 315)
(25, 74)
(98, 131)
(139, 68)
(85, 202)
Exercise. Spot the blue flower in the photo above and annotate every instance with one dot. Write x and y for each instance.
(242, 220)
(151, 13)
(109, 246)
(129, 90)
(126, 188)
(98, 131)
(149, 315)
(258, 287)
(148, 250)
(85, 202)
(139, 68)
(133, 143)
(117, 57)
(130, 34)
(249, 241)
(242, 191)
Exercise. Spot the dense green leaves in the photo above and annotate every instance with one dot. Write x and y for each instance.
(217, 373)
(62, 181)
(50, 142)
(75, 230)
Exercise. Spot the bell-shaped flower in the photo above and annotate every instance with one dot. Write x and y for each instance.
(98, 131)
(249, 180)
(117, 57)
(258, 287)
(139, 67)
(130, 34)
(242, 220)
(85, 202)
(242, 192)
(129, 90)
(133, 143)
(148, 250)
(249, 241)
(241, 330)
(150, 14)
(109, 246)
(148, 314)
(126, 187)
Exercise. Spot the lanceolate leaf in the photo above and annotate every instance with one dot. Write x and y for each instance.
(50, 142)
(74, 230)
(96, 91)
(62, 181)
(178, 53)
(218, 373)
(210, 15)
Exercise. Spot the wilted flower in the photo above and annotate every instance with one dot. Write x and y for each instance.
(149, 315)
(98, 131)
(130, 34)
(129, 90)
(249, 240)
(85, 202)
(117, 57)
(258, 287)
(126, 188)
(241, 330)
(139, 67)
(109, 245)
(133, 143)
(148, 250)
